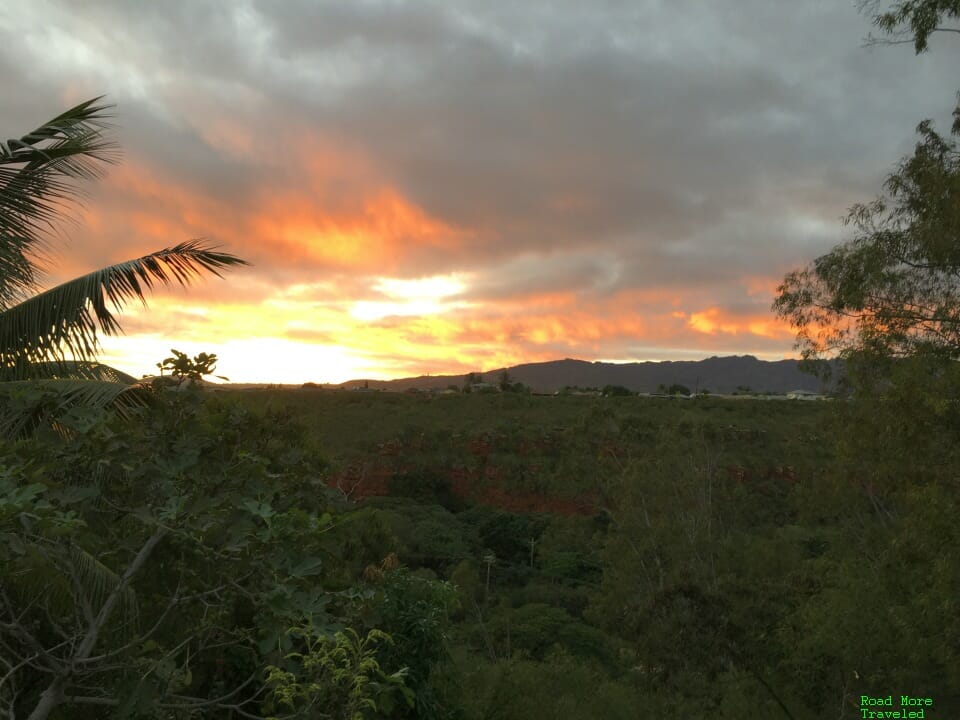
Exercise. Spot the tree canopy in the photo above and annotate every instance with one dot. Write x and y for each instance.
(913, 21)
(895, 286)
(893, 289)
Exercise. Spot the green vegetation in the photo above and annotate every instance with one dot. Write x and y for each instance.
(496, 554)
(716, 556)
(187, 559)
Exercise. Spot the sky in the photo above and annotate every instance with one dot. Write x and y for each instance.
(446, 187)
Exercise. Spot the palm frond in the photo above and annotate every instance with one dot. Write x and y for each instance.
(97, 581)
(18, 272)
(76, 370)
(63, 322)
(75, 123)
(36, 186)
(65, 576)
(26, 405)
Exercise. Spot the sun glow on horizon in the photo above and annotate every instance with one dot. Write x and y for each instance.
(418, 297)
(251, 360)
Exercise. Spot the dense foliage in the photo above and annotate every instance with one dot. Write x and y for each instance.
(725, 558)
(158, 566)
(707, 558)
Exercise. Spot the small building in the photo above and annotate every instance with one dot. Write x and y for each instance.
(804, 395)
(483, 387)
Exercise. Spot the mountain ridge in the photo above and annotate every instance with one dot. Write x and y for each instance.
(717, 374)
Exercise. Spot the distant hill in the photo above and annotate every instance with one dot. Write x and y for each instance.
(716, 374)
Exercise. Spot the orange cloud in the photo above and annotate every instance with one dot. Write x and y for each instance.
(709, 322)
(761, 286)
(331, 211)
(149, 210)
(228, 136)
(294, 340)
(374, 236)
(715, 320)
(326, 299)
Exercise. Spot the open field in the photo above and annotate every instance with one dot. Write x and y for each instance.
(348, 424)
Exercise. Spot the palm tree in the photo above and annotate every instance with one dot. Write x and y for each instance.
(49, 339)
(52, 335)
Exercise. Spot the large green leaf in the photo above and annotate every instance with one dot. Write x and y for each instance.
(63, 322)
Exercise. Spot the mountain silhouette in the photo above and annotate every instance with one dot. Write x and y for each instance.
(716, 374)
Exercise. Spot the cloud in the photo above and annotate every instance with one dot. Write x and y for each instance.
(616, 180)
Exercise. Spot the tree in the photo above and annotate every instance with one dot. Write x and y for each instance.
(414, 612)
(53, 334)
(561, 686)
(154, 566)
(182, 368)
(912, 20)
(343, 676)
(888, 301)
(894, 289)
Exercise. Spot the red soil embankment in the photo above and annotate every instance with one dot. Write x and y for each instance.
(484, 486)
(484, 482)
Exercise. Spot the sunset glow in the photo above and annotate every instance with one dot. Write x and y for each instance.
(452, 189)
